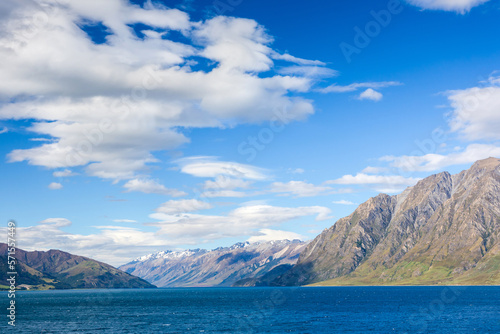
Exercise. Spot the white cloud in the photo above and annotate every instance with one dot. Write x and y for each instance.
(124, 221)
(475, 117)
(63, 173)
(436, 162)
(210, 167)
(149, 186)
(54, 222)
(370, 94)
(112, 244)
(476, 111)
(224, 186)
(344, 202)
(362, 178)
(308, 71)
(289, 58)
(296, 171)
(224, 193)
(241, 221)
(266, 234)
(117, 244)
(4, 130)
(460, 6)
(55, 186)
(299, 189)
(108, 107)
(374, 170)
(228, 183)
(182, 206)
(381, 183)
(355, 86)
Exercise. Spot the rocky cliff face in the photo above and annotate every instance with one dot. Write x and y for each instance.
(219, 267)
(444, 230)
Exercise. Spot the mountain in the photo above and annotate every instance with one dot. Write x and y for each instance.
(218, 267)
(443, 230)
(61, 270)
(265, 279)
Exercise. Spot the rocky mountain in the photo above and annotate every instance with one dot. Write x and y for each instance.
(218, 267)
(56, 269)
(264, 280)
(443, 230)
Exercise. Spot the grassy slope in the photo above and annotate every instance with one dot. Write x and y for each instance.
(60, 270)
(26, 275)
(89, 274)
(487, 272)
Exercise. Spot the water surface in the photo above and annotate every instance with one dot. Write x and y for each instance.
(260, 310)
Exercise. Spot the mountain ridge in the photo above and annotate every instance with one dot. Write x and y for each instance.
(222, 266)
(443, 230)
(56, 269)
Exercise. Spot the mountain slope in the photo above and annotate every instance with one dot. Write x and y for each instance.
(58, 269)
(265, 279)
(25, 275)
(219, 267)
(444, 230)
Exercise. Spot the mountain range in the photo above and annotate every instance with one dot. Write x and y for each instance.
(443, 230)
(56, 269)
(241, 264)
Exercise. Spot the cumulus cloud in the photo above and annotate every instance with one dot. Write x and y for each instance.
(224, 193)
(266, 234)
(474, 117)
(54, 222)
(149, 186)
(382, 183)
(63, 173)
(436, 162)
(299, 189)
(344, 202)
(224, 186)
(475, 111)
(289, 58)
(355, 86)
(241, 221)
(370, 94)
(211, 167)
(296, 171)
(460, 6)
(111, 244)
(308, 71)
(228, 183)
(374, 170)
(118, 244)
(109, 106)
(186, 205)
(55, 186)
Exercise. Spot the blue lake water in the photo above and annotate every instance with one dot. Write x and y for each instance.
(259, 310)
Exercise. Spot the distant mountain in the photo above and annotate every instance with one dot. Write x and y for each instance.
(444, 230)
(218, 267)
(61, 270)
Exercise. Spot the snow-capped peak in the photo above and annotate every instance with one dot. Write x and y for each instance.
(169, 255)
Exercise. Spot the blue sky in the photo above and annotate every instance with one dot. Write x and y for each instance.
(148, 126)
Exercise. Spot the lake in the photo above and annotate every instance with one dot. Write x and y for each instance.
(259, 310)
